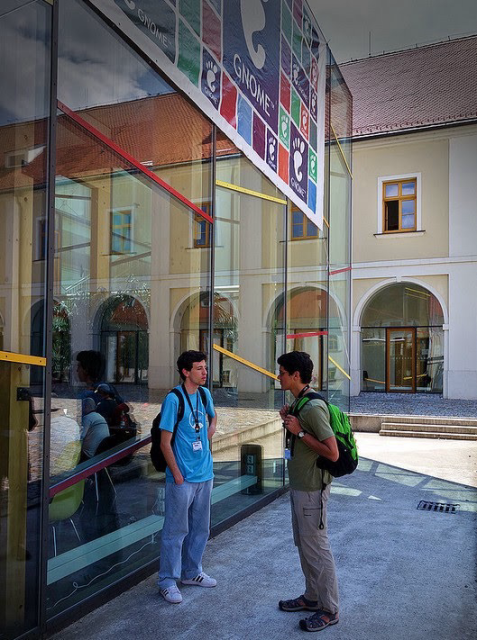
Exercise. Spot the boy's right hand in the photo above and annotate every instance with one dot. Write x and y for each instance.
(284, 411)
(178, 478)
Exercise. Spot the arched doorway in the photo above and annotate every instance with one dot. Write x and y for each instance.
(307, 312)
(402, 341)
(125, 341)
(195, 323)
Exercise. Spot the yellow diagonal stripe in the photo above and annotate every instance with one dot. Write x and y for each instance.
(20, 358)
(247, 363)
(341, 151)
(249, 192)
(338, 366)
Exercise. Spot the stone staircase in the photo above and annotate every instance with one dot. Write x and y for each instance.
(429, 427)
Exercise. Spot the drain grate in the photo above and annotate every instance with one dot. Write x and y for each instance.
(441, 507)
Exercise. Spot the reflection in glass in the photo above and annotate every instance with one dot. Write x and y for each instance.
(339, 203)
(112, 284)
(25, 40)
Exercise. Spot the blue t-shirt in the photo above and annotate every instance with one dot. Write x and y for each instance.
(195, 466)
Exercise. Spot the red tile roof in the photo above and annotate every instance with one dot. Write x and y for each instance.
(416, 88)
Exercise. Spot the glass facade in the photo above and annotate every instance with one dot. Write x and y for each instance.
(339, 228)
(133, 229)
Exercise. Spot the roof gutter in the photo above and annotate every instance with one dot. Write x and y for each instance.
(401, 132)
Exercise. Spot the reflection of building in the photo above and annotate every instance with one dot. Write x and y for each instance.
(133, 228)
(414, 211)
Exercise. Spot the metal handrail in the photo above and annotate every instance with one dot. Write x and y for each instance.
(111, 458)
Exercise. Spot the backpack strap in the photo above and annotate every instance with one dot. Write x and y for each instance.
(306, 398)
(203, 397)
(296, 410)
(180, 411)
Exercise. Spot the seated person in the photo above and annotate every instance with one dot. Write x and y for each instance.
(65, 444)
(106, 403)
(95, 429)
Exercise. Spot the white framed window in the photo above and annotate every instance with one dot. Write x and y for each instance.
(399, 204)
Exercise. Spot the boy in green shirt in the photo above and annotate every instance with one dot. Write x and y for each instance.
(309, 435)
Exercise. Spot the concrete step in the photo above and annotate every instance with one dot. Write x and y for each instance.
(428, 434)
(437, 428)
(437, 420)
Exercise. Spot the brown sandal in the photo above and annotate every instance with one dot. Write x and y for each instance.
(319, 621)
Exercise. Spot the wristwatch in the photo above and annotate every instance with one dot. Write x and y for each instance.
(300, 434)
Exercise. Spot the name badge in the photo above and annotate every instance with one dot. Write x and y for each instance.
(287, 454)
(197, 445)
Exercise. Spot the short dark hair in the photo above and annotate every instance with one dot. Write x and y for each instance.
(297, 361)
(187, 359)
(92, 362)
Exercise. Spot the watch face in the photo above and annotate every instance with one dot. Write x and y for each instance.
(301, 434)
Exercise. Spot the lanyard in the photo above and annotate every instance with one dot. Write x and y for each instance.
(195, 413)
(289, 437)
(299, 396)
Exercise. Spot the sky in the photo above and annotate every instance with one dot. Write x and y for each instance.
(347, 24)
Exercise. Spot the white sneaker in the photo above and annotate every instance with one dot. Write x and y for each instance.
(202, 580)
(171, 594)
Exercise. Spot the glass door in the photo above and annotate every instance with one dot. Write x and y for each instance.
(401, 375)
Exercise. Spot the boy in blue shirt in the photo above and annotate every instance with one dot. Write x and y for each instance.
(189, 480)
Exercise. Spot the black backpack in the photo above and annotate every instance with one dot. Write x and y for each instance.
(157, 457)
(340, 424)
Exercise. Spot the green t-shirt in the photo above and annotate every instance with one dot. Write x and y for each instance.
(303, 473)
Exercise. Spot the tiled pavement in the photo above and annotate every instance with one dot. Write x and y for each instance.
(406, 404)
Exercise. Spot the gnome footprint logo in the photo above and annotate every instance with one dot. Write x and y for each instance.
(295, 72)
(313, 166)
(272, 146)
(284, 127)
(211, 75)
(253, 22)
(299, 148)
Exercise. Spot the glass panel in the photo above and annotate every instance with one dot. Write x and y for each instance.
(401, 359)
(339, 203)
(297, 230)
(143, 110)
(311, 229)
(430, 359)
(391, 190)
(118, 370)
(408, 221)
(373, 359)
(25, 42)
(402, 304)
(407, 188)
(340, 104)
(249, 290)
(408, 206)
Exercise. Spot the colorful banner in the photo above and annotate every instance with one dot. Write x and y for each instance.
(256, 68)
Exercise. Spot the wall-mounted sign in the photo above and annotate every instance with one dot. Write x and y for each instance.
(256, 68)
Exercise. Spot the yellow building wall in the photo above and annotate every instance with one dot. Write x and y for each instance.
(427, 154)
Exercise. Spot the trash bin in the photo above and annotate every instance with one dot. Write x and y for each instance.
(251, 464)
